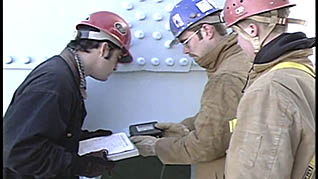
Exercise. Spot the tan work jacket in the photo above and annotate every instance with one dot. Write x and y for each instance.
(275, 133)
(227, 68)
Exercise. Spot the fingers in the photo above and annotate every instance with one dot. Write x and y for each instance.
(164, 125)
(145, 144)
(137, 139)
(105, 153)
(102, 132)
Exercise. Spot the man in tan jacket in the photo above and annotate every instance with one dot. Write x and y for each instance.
(275, 133)
(204, 138)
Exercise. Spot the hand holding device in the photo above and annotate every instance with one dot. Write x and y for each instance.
(173, 129)
(145, 145)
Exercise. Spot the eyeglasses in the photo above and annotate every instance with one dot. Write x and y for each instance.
(185, 42)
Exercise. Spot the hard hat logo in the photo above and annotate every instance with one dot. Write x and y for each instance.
(177, 21)
(188, 12)
(120, 27)
(204, 6)
(239, 11)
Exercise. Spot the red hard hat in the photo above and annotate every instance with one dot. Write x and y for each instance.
(112, 27)
(236, 10)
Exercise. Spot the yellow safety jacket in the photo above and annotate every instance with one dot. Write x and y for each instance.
(309, 173)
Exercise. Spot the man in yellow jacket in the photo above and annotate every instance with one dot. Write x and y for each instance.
(204, 138)
(275, 133)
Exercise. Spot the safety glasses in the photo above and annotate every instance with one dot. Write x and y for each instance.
(185, 42)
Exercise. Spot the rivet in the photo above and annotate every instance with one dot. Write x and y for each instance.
(169, 7)
(169, 61)
(140, 16)
(168, 44)
(141, 61)
(142, 0)
(26, 60)
(69, 134)
(129, 24)
(194, 62)
(139, 34)
(157, 17)
(155, 61)
(8, 60)
(156, 35)
(158, 1)
(127, 5)
(184, 61)
(192, 15)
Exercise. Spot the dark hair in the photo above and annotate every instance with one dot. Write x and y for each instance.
(195, 28)
(85, 44)
(220, 28)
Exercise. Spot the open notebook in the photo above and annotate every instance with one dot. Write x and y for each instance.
(118, 145)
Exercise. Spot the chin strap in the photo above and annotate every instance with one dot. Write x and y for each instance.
(272, 21)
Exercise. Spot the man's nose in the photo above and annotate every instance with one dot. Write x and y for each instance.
(186, 50)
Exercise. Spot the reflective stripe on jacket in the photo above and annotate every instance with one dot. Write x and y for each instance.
(310, 170)
(275, 134)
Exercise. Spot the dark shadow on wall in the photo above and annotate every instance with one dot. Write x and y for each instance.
(148, 168)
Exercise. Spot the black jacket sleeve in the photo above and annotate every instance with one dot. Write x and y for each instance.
(33, 126)
(41, 124)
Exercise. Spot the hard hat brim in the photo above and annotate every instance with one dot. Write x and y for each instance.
(126, 58)
(174, 42)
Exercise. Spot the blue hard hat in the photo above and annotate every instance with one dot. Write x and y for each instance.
(188, 12)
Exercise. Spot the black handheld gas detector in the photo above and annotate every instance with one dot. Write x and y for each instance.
(145, 129)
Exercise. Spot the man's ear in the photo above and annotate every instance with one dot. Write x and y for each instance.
(252, 30)
(104, 50)
(208, 30)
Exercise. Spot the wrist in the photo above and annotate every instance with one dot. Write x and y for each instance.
(77, 164)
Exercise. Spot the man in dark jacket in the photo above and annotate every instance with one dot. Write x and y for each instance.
(42, 125)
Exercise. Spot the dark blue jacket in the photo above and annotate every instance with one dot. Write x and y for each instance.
(42, 124)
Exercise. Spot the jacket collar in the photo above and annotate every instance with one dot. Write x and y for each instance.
(294, 47)
(70, 60)
(212, 60)
(298, 56)
(283, 44)
(68, 57)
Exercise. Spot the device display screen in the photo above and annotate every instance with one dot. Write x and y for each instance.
(145, 127)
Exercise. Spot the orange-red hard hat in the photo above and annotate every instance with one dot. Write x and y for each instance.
(236, 10)
(112, 27)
